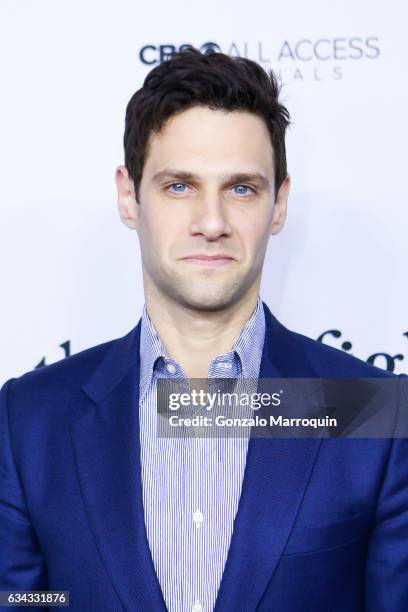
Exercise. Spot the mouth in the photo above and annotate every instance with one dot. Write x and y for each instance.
(213, 261)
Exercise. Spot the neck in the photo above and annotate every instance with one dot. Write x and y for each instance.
(194, 337)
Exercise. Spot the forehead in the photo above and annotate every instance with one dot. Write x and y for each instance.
(213, 139)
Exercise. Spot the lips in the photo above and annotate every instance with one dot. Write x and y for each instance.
(208, 260)
(207, 257)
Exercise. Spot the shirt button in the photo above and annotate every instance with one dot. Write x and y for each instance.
(197, 606)
(198, 518)
(170, 367)
(225, 364)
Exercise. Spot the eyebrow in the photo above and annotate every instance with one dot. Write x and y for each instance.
(239, 177)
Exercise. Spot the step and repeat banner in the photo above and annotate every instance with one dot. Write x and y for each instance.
(70, 270)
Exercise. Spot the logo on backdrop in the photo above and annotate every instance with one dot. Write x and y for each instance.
(381, 360)
(303, 59)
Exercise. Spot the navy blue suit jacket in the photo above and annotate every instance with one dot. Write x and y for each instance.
(322, 524)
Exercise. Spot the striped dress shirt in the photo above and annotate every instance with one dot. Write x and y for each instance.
(191, 486)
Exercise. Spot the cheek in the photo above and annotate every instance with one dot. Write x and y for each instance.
(253, 223)
(150, 219)
(160, 231)
(254, 234)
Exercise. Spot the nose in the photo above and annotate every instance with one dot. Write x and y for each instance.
(209, 218)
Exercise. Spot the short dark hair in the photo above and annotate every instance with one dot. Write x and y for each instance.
(190, 78)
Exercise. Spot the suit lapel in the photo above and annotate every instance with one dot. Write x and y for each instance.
(107, 452)
(276, 475)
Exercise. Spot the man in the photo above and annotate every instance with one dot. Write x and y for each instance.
(93, 502)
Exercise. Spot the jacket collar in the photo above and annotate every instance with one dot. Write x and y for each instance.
(107, 453)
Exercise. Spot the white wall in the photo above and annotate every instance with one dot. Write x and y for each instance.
(70, 271)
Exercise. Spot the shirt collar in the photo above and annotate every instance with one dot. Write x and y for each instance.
(249, 344)
(151, 349)
(245, 355)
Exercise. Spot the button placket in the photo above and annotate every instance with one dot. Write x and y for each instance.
(171, 368)
(198, 517)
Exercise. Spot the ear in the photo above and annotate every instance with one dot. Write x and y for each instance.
(126, 197)
(280, 207)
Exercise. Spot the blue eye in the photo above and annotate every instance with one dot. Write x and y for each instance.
(243, 189)
(178, 187)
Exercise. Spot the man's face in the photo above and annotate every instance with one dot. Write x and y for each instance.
(206, 207)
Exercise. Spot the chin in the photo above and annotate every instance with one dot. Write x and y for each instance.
(207, 305)
(208, 301)
(206, 294)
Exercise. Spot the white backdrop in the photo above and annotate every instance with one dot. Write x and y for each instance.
(70, 271)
